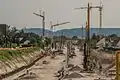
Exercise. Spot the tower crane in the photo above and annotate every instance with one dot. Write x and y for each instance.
(52, 26)
(88, 44)
(43, 22)
(58, 24)
(100, 7)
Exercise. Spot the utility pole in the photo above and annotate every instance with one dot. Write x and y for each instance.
(43, 21)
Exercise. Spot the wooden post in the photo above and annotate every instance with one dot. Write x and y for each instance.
(68, 52)
(118, 65)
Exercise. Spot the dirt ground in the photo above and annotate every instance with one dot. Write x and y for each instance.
(78, 60)
(42, 71)
(47, 71)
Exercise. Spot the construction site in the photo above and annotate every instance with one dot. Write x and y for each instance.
(27, 56)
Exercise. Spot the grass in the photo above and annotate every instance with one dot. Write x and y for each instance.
(10, 54)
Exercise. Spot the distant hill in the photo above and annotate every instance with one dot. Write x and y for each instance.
(37, 31)
(77, 31)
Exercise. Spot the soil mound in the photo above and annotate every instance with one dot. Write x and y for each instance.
(74, 75)
(70, 65)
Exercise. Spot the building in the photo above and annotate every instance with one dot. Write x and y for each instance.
(3, 29)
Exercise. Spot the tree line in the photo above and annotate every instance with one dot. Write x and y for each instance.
(15, 38)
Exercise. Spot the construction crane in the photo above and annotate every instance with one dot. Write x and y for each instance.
(52, 26)
(100, 7)
(87, 42)
(58, 24)
(43, 21)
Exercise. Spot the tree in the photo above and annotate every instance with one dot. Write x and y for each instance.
(47, 41)
(33, 40)
(74, 37)
(94, 36)
(113, 35)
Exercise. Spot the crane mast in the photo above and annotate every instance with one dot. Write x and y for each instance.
(87, 42)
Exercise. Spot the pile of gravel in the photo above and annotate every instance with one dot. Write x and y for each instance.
(74, 75)
(70, 65)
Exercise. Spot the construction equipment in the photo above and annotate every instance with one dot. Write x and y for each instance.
(43, 21)
(100, 10)
(87, 42)
(59, 24)
(52, 28)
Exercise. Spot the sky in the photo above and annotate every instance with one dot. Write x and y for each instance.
(19, 13)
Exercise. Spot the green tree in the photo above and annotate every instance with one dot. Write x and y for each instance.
(47, 41)
(33, 40)
(74, 37)
(113, 35)
(94, 36)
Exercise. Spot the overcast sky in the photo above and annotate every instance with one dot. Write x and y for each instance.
(19, 13)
